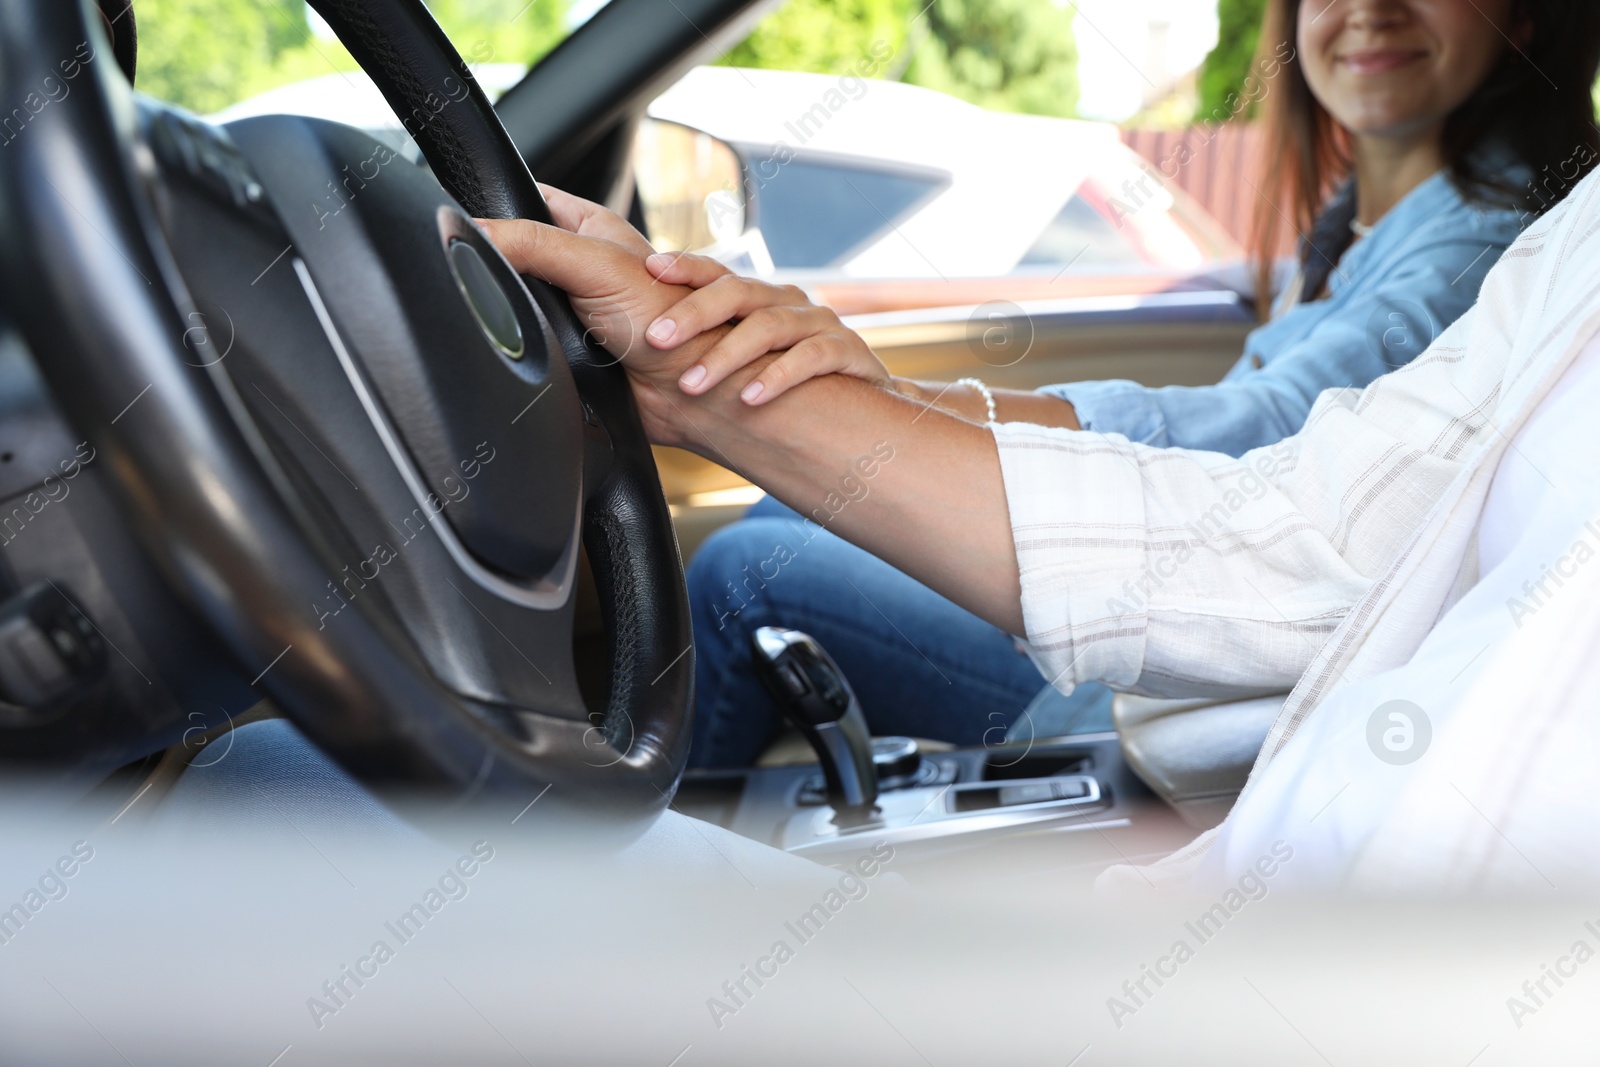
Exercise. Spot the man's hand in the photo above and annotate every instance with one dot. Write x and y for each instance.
(598, 259)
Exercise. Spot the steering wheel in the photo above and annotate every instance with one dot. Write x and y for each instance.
(350, 436)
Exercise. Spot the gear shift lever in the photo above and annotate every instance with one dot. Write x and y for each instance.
(813, 693)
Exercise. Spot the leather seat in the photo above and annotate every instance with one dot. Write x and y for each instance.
(1195, 754)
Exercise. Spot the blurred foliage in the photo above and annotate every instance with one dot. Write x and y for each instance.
(199, 53)
(1009, 55)
(1228, 64)
(208, 54)
(1006, 55)
(824, 36)
(502, 31)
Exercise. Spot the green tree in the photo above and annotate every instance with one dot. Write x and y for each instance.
(208, 54)
(823, 36)
(1011, 55)
(1228, 64)
(1006, 55)
(502, 31)
(199, 53)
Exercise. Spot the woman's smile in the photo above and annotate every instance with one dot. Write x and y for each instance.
(1369, 61)
(1391, 72)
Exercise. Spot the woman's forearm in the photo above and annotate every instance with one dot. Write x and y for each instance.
(1011, 405)
(910, 483)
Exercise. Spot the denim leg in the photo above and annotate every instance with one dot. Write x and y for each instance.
(266, 777)
(920, 664)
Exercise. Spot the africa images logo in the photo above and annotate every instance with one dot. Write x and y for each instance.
(1399, 733)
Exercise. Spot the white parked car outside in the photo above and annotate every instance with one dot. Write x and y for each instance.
(853, 178)
(867, 178)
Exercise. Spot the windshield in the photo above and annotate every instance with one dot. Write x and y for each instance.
(245, 56)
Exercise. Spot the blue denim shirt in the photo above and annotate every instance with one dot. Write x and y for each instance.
(1389, 297)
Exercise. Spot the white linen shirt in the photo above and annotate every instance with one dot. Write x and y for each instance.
(1320, 562)
(1339, 779)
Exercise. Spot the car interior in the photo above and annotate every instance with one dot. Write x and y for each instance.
(284, 439)
(159, 601)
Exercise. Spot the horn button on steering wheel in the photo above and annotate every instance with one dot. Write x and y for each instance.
(487, 300)
(449, 340)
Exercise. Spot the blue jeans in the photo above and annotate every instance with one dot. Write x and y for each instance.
(921, 666)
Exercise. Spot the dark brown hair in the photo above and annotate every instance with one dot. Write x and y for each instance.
(1538, 104)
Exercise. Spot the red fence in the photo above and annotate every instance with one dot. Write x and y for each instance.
(1215, 166)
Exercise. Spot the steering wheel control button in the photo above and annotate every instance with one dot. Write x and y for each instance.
(489, 304)
(50, 652)
(209, 158)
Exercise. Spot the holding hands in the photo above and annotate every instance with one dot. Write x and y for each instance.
(682, 305)
(771, 318)
(685, 324)
(939, 514)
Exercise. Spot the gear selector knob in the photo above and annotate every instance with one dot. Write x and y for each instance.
(815, 697)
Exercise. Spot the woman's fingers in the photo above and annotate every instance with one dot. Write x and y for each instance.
(595, 256)
(769, 329)
(833, 352)
(727, 297)
(685, 268)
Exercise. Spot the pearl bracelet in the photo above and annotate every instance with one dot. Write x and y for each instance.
(983, 390)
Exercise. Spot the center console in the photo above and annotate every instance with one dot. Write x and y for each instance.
(1078, 790)
(931, 807)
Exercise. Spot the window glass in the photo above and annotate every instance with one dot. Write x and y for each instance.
(210, 55)
(813, 213)
(1079, 236)
(689, 187)
(913, 160)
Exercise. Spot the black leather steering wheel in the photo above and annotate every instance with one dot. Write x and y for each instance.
(361, 448)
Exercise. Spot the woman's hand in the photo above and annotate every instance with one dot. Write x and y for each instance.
(772, 319)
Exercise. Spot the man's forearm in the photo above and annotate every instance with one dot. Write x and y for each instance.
(904, 480)
(920, 488)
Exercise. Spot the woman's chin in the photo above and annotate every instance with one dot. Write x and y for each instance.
(1394, 124)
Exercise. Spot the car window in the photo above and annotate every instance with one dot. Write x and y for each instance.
(249, 56)
(920, 143)
(1080, 235)
(813, 213)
